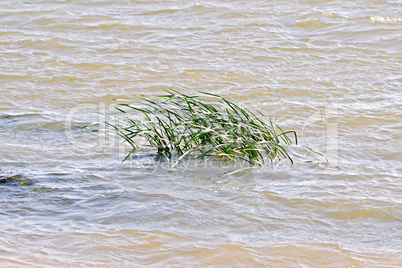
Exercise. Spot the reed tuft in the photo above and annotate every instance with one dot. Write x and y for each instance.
(189, 125)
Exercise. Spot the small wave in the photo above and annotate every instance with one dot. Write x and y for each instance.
(307, 23)
(28, 115)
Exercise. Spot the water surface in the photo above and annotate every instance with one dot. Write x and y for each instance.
(328, 69)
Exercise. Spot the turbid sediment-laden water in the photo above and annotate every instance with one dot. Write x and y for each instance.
(331, 70)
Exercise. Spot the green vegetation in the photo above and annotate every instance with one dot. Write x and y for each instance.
(189, 125)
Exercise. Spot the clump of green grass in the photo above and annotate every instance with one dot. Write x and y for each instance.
(189, 125)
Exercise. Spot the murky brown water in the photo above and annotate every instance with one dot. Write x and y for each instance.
(329, 69)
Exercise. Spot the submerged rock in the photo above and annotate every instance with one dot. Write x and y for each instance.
(20, 179)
